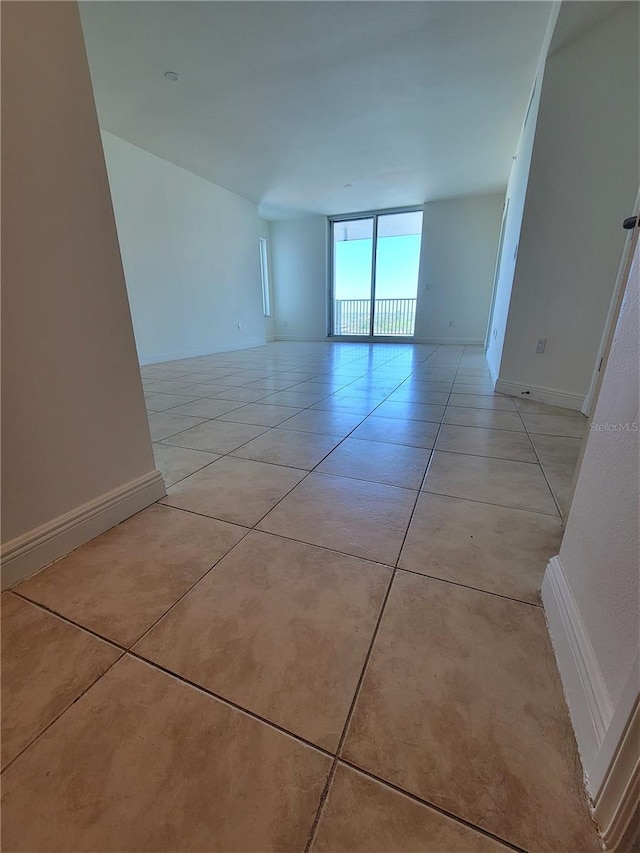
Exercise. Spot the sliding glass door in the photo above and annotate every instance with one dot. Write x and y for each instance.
(396, 279)
(375, 261)
(352, 276)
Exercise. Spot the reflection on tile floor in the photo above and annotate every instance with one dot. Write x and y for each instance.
(327, 636)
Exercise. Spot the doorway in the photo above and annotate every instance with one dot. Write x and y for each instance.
(375, 260)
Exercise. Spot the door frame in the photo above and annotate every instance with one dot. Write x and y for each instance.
(615, 305)
(612, 315)
(496, 274)
(347, 217)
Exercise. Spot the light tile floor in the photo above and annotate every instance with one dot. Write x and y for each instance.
(328, 635)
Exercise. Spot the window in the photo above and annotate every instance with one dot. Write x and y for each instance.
(264, 272)
(376, 261)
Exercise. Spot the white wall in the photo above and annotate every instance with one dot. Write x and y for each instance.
(190, 255)
(457, 266)
(583, 181)
(299, 260)
(602, 560)
(75, 438)
(269, 322)
(513, 210)
(591, 592)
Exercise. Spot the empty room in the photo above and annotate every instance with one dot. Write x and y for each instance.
(320, 457)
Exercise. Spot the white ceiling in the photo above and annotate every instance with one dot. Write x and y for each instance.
(285, 102)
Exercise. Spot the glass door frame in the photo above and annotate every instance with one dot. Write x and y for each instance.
(348, 217)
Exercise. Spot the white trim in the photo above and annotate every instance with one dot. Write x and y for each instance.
(624, 711)
(328, 276)
(494, 376)
(323, 338)
(158, 358)
(498, 263)
(378, 211)
(475, 342)
(616, 801)
(264, 277)
(543, 395)
(614, 308)
(30, 552)
(607, 738)
(469, 342)
(271, 339)
(404, 340)
(585, 691)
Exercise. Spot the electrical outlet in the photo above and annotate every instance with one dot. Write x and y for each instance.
(239, 327)
(541, 344)
(450, 322)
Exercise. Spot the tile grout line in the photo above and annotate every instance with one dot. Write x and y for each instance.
(123, 648)
(193, 585)
(129, 651)
(229, 703)
(491, 503)
(486, 455)
(325, 793)
(69, 620)
(544, 473)
(312, 470)
(266, 427)
(331, 775)
(202, 467)
(341, 442)
(237, 408)
(424, 477)
(538, 463)
(66, 619)
(371, 560)
(65, 709)
(469, 587)
(429, 804)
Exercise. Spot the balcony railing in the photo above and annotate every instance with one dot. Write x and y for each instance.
(391, 317)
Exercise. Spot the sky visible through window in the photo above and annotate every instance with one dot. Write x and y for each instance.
(397, 265)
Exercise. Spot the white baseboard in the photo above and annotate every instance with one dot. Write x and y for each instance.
(492, 371)
(615, 804)
(584, 687)
(459, 342)
(607, 737)
(541, 395)
(159, 358)
(356, 339)
(30, 552)
(312, 338)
